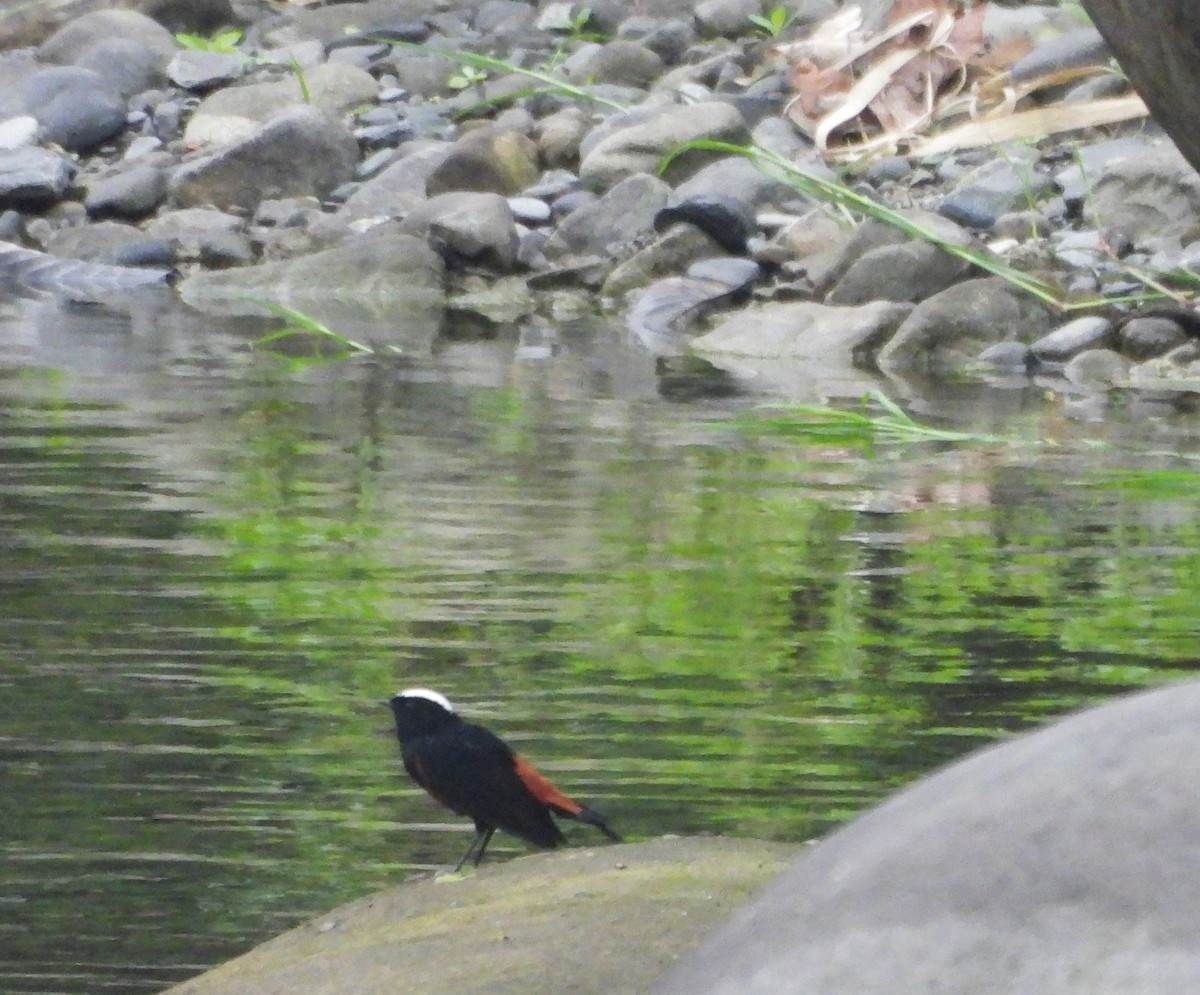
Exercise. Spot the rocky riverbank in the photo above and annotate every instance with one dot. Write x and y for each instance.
(334, 160)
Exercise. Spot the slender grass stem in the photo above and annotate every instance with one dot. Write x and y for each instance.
(299, 323)
(552, 82)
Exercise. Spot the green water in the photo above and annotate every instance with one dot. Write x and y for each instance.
(215, 566)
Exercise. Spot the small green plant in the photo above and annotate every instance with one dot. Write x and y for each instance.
(774, 22)
(466, 76)
(578, 30)
(298, 72)
(224, 42)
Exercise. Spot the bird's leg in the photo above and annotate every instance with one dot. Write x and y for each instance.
(487, 838)
(483, 836)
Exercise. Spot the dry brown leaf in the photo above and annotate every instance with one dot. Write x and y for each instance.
(817, 92)
(863, 94)
(857, 93)
(1032, 124)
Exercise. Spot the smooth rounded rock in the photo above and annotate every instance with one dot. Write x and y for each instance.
(75, 38)
(16, 132)
(625, 62)
(728, 220)
(1089, 332)
(1011, 356)
(626, 212)
(996, 188)
(133, 193)
(640, 147)
(734, 272)
(486, 161)
(198, 70)
(529, 210)
(828, 337)
(468, 228)
(911, 271)
(74, 107)
(672, 251)
(1153, 194)
(729, 18)
(1061, 862)
(949, 329)
(1150, 336)
(397, 294)
(1096, 369)
(33, 178)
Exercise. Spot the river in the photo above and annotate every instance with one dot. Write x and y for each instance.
(685, 604)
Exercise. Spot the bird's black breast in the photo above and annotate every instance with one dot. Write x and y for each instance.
(473, 772)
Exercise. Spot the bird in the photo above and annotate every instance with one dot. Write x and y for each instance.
(473, 772)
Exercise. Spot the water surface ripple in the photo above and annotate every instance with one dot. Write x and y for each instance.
(215, 566)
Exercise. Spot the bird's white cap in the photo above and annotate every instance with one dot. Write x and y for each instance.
(435, 696)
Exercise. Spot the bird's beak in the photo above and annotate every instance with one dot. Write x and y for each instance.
(386, 702)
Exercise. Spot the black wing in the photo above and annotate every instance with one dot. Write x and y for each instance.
(473, 772)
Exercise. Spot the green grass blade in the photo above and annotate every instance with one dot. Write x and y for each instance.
(299, 323)
(842, 427)
(555, 84)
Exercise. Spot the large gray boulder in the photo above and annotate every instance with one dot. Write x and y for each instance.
(1059, 863)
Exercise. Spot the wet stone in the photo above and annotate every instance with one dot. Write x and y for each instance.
(734, 272)
(1013, 356)
(1145, 338)
(74, 107)
(995, 189)
(1096, 369)
(132, 194)
(728, 18)
(729, 221)
(553, 184)
(18, 131)
(1091, 332)
(529, 210)
(141, 147)
(665, 315)
(197, 70)
(468, 228)
(573, 201)
(33, 178)
(667, 255)
(669, 40)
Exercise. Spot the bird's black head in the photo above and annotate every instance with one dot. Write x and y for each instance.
(421, 712)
